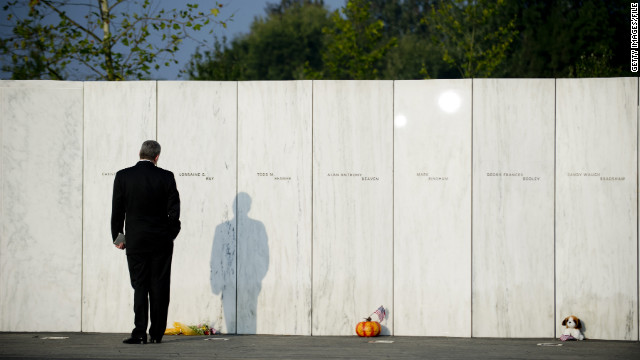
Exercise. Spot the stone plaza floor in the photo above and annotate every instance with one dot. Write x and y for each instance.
(110, 346)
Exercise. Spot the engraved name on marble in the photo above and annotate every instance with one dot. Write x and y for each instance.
(354, 175)
(430, 177)
(504, 174)
(275, 177)
(344, 174)
(515, 175)
(597, 175)
(193, 174)
(586, 174)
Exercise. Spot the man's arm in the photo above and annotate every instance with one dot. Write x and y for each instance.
(173, 208)
(117, 208)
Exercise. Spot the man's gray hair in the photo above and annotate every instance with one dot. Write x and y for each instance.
(149, 150)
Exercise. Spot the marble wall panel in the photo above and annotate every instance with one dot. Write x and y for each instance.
(41, 212)
(513, 205)
(432, 208)
(197, 132)
(356, 248)
(596, 206)
(118, 118)
(274, 207)
(352, 204)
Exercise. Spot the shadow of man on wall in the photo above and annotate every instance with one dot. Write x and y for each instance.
(239, 262)
(253, 264)
(223, 272)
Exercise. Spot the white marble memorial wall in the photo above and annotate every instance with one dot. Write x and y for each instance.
(41, 211)
(596, 206)
(197, 131)
(432, 208)
(335, 189)
(352, 204)
(274, 207)
(513, 207)
(118, 118)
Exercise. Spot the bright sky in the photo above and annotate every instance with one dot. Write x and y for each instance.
(243, 11)
(246, 10)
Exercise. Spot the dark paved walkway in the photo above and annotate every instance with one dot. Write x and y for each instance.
(109, 346)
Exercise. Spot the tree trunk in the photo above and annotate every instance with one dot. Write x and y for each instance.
(106, 40)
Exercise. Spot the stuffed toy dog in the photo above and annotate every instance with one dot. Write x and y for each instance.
(572, 329)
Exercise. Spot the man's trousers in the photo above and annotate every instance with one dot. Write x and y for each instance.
(151, 281)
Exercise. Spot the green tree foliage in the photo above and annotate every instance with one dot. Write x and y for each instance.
(596, 64)
(401, 17)
(471, 36)
(435, 39)
(416, 56)
(558, 36)
(284, 5)
(224, 63)
(355, 45)
(277, 48)
(103, 39)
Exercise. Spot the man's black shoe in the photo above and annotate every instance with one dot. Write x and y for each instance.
(134, 340)
(155, 341)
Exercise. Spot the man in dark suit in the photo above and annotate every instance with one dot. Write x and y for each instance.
(147, 197)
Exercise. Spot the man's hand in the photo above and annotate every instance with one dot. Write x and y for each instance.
(120, 246)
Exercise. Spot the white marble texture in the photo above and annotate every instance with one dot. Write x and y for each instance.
(41, 212)
(513, 204)
(274, 207)
(197, 132)
(432, 208)
(352, 204)
(118, 118)
(60, 272)
(596, 211)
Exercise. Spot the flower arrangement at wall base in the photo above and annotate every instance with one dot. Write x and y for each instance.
(182, 329)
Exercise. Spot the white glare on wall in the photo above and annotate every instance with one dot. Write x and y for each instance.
(400, 120)
(449, 101)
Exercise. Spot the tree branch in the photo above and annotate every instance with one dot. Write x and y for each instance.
(54, 72)
(63, 15)
(87, 64)
(118, 2)
(132, 25)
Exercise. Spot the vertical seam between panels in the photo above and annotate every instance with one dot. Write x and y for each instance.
(235, 214)
(393, 207)
(312, 208)
(471, 225)
(82, 220)
(555, 181)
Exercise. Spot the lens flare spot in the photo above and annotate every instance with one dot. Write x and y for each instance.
(400, 121)
(449, 102)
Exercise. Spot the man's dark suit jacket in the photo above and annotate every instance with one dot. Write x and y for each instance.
(147, 196)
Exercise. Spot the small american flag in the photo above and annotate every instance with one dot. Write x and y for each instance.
(381, 313)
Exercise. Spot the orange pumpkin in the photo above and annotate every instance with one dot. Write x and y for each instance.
(368, 328)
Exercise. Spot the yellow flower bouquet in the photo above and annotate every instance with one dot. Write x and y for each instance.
(182, 329)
